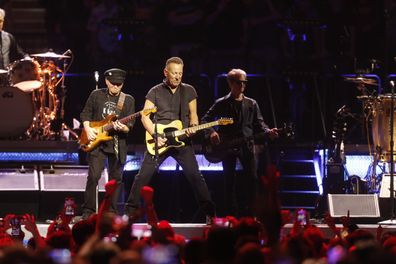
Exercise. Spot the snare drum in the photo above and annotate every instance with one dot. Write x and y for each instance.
(381, 125)
(25, 75)
(16, 111)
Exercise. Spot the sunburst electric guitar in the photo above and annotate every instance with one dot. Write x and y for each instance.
(104, 127)
(174, 134)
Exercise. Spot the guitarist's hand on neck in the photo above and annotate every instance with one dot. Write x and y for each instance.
(273, 133)
(118, 126)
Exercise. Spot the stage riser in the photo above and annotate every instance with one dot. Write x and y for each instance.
(19, 202)
(174, 199)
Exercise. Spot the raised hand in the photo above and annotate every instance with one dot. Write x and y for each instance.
(147, 194)
(111, 187)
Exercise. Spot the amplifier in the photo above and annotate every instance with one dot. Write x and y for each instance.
(16, 179)
(68, 178)
(358, 205)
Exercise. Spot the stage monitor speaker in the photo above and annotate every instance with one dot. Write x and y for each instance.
(68, 178)
(18, 179)
(385, 186)
(358, 205)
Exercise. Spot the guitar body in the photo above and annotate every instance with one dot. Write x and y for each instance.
(102, 135)
(166, 131)
(228, 145)
(216, 153)
(212, 153)
(105, 126)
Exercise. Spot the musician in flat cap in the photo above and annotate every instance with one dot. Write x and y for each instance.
(98, 120)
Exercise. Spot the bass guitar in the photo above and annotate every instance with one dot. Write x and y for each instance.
(216, 153)
(104, 127)
(174, 134)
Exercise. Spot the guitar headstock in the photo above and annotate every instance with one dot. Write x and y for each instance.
(287, 130)
(225, 121)
(149, 110)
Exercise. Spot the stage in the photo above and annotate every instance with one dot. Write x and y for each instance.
(37, 176)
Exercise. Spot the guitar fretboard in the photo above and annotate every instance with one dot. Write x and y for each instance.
(195, 128)
(123, 120)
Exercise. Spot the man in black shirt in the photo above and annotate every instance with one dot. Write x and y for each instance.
(174, 101)
(9, 49)
(100, 104)
(248, 121)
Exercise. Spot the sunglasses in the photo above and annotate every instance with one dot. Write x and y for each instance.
(241, 81)
(116, 84)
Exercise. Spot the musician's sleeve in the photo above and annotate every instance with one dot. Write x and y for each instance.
(87, 113)
(259, 124)
(130, 110)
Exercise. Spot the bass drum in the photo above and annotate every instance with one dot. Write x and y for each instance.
(381, 126)
(16, 112)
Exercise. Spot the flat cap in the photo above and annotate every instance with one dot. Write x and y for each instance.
(115, 75)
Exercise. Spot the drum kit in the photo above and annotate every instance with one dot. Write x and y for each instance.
(31, 97)
(377, 113)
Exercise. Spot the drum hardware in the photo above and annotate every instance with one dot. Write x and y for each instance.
(51, 54)
(361, 80)
(49, 99)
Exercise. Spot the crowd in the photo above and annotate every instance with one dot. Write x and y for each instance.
(108, 238)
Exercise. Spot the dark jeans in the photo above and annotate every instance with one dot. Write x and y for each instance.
(97, 163)
(186, 158)
(240, 190)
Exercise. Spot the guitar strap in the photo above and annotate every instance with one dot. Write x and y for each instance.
(120, 105)
(182, 110)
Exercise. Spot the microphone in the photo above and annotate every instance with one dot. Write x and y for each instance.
(96, 74)
(392, 83)
(341, 110)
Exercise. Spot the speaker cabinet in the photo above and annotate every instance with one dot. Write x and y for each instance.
(68, 178)
(358, 205)
(385, 186)
(16, 179)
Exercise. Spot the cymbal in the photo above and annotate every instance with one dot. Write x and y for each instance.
(50, 54)
(361, 80)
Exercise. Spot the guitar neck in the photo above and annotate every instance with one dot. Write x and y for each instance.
(123, 120)
(195, 128)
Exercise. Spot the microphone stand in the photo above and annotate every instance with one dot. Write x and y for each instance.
(156, 155)
(392, 220)
(96, 74)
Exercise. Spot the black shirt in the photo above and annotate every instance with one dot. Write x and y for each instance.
(170, 105)
(246, 114)
(100, 104)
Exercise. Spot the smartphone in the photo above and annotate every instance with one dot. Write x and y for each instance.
(69, 206)
(302, 217)
(221, 221)
(140, 230)
(15, 223)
